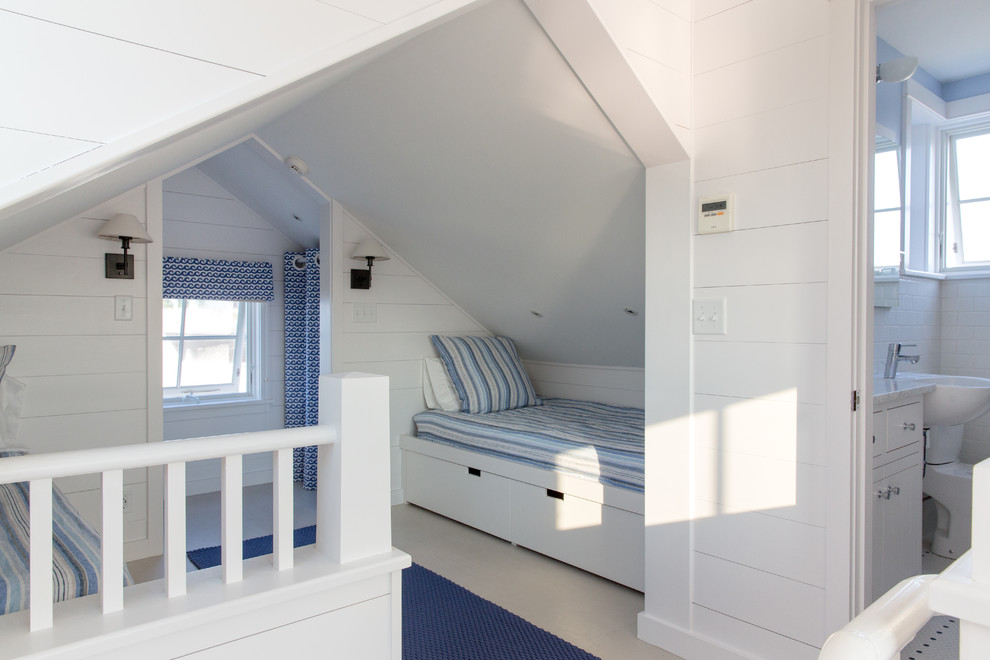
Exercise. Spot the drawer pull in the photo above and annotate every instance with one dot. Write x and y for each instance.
(908, 426)
(555, 493)
(474, 472)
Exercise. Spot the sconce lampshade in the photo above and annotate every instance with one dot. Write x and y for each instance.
(369, 249)
(124, 225)
(125, 228)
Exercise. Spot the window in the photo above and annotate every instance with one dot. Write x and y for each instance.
(887, 206)
(967, 207)
(209, 351)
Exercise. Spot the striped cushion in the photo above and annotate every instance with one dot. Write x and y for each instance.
(6, 355)
(486, 372)
(580, 438)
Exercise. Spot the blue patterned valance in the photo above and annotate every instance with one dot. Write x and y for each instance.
(216, 279)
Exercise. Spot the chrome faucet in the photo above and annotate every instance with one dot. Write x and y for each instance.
(894, 358)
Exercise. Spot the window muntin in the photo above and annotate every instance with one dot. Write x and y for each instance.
(967, 208)
(209, 350)
(887, 210)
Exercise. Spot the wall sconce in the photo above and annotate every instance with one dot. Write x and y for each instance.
(369, 249)
(898, 70)
(125, 228)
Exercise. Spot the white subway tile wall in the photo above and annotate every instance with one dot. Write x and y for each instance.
(950, 323)
(965, 349)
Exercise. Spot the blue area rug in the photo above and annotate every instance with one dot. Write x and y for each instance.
(442, 620)
(261, 545)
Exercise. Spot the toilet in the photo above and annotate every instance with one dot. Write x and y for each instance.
(950, 485)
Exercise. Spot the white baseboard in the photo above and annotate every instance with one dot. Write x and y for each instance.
(680, 642)
(398, 496)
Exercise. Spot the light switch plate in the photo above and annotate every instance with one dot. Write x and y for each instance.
(709, 316)
(123, 308)
(365, 312)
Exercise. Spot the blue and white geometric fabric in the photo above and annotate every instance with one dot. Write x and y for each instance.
(302, 354)
(217, 279)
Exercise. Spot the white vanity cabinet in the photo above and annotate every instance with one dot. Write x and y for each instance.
(896, 493)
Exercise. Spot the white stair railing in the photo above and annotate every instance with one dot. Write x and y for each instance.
(885, 627)
(352, 500)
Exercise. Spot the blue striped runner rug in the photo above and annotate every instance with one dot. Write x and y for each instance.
(441, 620)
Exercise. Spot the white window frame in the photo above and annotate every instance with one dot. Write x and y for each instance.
(892, 271)
(255, 332)
(950, 202)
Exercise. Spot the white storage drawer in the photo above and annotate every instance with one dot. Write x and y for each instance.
(903, 426)
(475, 498)
(598, 538)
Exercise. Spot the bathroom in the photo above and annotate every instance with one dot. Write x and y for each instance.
(935, 303)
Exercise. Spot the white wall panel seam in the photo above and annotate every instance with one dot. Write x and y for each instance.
(763, 169)
(756, 568)
(132, 43)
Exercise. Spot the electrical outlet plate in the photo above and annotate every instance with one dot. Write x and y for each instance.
(709, 316)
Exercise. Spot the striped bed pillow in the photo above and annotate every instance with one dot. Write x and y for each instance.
(486, 372)
(6, 355)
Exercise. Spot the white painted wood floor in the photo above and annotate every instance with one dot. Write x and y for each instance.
(595, 614)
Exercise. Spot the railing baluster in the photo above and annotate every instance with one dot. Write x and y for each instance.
(175, 529)
(41, 554)
(112, 543)
(282, 518)
(231, 519)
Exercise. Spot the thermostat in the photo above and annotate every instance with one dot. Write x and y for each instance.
(715, 214)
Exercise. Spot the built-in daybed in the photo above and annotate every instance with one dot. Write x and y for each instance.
(558, 476)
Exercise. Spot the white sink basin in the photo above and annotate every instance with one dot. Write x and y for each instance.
(956, 399)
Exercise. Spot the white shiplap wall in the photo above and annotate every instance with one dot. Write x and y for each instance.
(86, 373)
(619, 386)
(204, 221)
(655, 38)
(409, 309)
(756, 544)
(178, 60)
(759, 390)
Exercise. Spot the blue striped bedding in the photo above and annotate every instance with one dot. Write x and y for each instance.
(582, 438)
(75, 549)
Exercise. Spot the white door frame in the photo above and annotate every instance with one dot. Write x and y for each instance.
(850, 304)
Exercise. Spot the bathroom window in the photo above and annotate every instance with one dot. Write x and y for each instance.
(209, 351)
(887, 207)
(967, 199)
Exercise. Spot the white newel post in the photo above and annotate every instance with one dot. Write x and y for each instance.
(974, 633)
(354, 494)
(963, 589)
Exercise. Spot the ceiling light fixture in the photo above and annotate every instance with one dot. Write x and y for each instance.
(297, 165)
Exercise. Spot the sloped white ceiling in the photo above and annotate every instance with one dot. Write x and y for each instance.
(476, 154)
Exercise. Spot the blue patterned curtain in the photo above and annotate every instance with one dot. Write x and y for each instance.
(217, 279)
(302, 354)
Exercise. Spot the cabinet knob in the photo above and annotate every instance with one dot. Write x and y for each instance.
(908, 426)
(895, 490)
